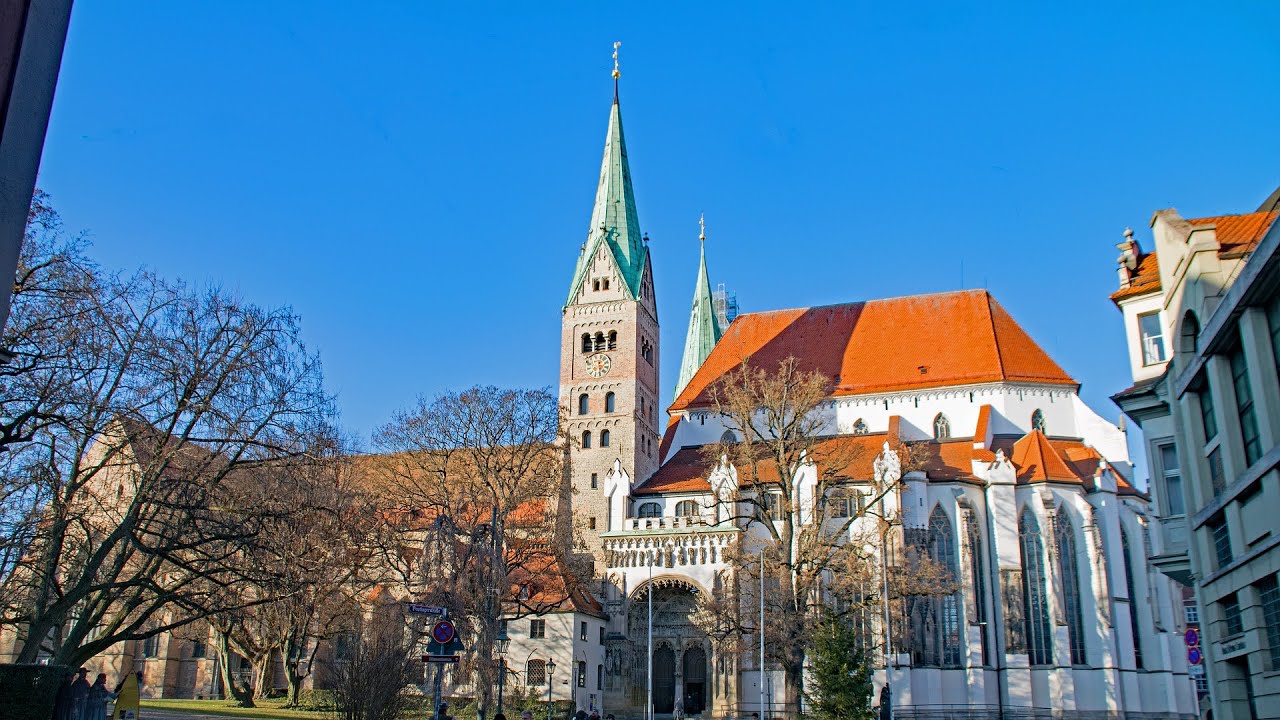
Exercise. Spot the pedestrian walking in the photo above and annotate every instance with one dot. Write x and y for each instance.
(96, 708)
(79, 694)
(62, 701)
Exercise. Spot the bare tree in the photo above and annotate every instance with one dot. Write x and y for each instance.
(808, 505)
(478, 479)
(133, 423)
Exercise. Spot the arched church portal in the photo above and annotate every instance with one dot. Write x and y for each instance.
(680, 648)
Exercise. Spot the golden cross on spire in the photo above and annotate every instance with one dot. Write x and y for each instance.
(616, 74)
(702, 227)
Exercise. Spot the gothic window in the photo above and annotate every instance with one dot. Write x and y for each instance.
(586, 342)
(151, 646)
(535, 673)
(586, 440)
(687, 508)
(977, 568)
(649, 510)
(728, 438)
(604, 438)
(1037, 420)
(772, 508)
(646, 350)
(935, 621)
(859, 427)
(1188, 339)
(608, 402)
(941, 427)
(599, 341)
(1070, 573)
(584, 404)
(1133, 601)
(582, 673)
(613, 339)
(1034, 597)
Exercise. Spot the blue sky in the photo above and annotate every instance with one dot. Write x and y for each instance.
(415, 180)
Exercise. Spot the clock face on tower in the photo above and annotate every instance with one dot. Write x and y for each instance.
(598, 365)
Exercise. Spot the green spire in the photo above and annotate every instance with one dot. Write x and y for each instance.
(614, 221)
(704, 327)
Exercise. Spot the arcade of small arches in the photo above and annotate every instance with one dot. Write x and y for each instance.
(599, 341)
(668, 552)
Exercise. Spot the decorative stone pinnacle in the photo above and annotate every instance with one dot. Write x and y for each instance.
(1128, 233)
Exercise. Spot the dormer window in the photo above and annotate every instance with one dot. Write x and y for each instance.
(1037, 420)
(941, 427)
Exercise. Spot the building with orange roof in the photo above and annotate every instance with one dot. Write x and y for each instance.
(1201, 313)
(1023, 491)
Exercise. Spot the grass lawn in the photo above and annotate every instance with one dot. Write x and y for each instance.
(266, 709)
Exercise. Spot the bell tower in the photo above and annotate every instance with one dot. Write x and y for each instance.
(609, 346)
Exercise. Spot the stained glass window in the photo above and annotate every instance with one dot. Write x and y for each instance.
(1034, 597)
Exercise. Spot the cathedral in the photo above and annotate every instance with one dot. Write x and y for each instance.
(1026, 497)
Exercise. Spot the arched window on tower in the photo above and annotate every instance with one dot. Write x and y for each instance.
(1065, 535)
(687, 508)
(941, 427)
(604, 284)
(604, 438)
(599, 345)
(935, 621)
(649, 510)
(728, 437)
(613, 339)
(586, 440)
(1037, 420)
(859, 427)
(584, 404)
(586, 342)
(595, 284)
(1034, 597)
(609, 402)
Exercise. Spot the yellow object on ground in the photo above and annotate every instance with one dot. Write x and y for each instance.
(127, 702)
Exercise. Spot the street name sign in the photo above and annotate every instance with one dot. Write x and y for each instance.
(440, 658)
(419, 609)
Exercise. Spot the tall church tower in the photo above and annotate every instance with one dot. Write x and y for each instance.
(609, 347)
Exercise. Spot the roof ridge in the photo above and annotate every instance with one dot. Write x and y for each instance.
(942, 293)
(995, 337)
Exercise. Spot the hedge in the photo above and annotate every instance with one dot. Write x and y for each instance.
(29, 690)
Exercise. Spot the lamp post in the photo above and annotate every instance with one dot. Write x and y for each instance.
(551, 671)
(500, 643)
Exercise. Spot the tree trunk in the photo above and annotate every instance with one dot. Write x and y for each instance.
(793, 681)
(231, 687)
(263, 677)
(292, 676)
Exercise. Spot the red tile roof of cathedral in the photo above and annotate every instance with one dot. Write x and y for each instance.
(952, 338)
(1237, 235)
(667, 438)
(1036, 457)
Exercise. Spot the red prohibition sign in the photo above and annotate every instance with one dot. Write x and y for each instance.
(442, 632)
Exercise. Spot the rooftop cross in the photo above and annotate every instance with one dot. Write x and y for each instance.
(702, 227)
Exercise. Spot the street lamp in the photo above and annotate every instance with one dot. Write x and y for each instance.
(551, 671)
(500, 643)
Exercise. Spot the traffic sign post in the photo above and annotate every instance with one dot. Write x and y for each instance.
(443, 632)
(1192, 637)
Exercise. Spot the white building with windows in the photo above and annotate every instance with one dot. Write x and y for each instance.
(1202, 316)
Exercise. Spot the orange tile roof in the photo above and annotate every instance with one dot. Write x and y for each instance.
(952, 338)
(668, 437)
(1238, 234)
(1036, 457)
(1146, 279)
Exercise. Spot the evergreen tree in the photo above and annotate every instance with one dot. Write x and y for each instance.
(839, 686)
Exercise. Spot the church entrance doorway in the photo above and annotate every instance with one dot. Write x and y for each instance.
(695, 680)
(664, 680)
